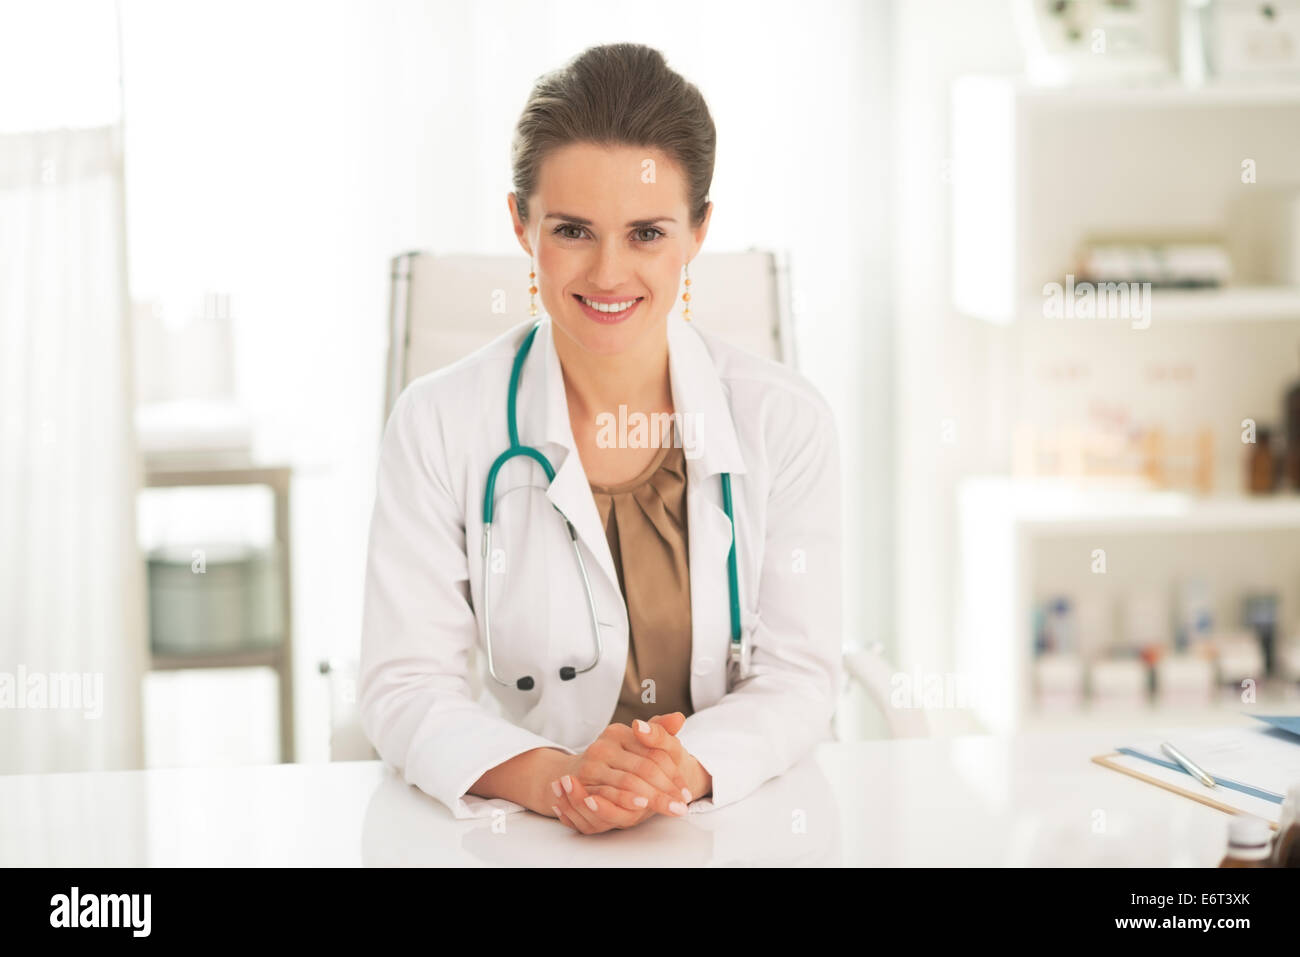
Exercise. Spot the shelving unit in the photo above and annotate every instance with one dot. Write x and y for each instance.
(1162, 94)
(206, 471)
(1064, 508)
(1006, 527)
(1036, 172)
(1226, 304)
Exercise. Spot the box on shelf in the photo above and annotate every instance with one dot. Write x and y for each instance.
(1095, 624)
(1184, 680)
(1118, 682)
(213, 599)
(1239, 655)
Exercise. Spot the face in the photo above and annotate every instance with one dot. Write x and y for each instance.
(609, 224)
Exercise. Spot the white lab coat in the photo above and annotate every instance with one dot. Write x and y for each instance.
(421, 654)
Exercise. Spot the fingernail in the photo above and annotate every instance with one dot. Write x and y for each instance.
(568, 785)
(591, 802)
(677, 807)
(640, 801)
(642, 726)
(555, 786)
(556, 810)
(686, 795)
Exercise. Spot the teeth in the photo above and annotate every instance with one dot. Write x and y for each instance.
(610, 306)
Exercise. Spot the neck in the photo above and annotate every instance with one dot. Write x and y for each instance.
(638, 378)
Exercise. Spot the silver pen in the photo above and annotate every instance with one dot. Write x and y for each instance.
(1188, 764)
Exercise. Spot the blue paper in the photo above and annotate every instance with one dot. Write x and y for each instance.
(1287, 722)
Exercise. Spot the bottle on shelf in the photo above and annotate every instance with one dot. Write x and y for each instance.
(1261, 470)
(1286, 851)
(1250, 842)
(1291, 410)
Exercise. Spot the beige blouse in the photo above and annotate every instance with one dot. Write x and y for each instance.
(645, 524)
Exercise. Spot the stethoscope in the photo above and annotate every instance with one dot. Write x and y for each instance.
(738, 653)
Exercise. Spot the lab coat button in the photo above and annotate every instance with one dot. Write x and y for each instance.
(703, 665)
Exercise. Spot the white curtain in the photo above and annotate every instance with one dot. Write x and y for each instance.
(72, 646)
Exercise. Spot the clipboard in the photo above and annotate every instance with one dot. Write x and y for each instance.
(1201, 797)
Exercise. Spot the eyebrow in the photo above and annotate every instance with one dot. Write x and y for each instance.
(636, 223)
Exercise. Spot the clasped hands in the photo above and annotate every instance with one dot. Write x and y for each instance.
(627, 774)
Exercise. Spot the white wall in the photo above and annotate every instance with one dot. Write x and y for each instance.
(945, 365)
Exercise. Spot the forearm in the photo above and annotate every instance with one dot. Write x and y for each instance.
(522, 779)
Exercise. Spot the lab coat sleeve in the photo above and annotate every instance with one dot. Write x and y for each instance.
(418, 627)
(768, 722)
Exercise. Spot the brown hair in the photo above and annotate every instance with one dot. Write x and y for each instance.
(616, 94)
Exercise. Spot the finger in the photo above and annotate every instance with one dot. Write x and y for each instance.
(582, 822)
(618, 749)
(672, 723)
(599, 808)
(562, 818)
(630, 778)
(622, 798)
(575, 807)
(628, 801)
(567, 814)
(663, 745)
(649, 773)
(656, 736)
(670, 766)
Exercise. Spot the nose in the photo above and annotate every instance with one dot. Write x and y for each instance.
(609, 271)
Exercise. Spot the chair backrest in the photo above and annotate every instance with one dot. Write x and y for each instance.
(442, 308)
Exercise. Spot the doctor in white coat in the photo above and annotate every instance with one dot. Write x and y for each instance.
(613, 159)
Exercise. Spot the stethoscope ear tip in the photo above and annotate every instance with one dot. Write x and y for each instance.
(568, 673)
(525, 683)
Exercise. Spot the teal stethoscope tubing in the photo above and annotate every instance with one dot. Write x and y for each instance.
(736, 655)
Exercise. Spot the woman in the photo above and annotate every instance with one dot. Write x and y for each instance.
(612, 623)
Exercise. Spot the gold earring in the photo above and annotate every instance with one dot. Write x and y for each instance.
(686, 296)
(532, 288)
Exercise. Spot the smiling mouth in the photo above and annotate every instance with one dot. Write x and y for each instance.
(607, 308)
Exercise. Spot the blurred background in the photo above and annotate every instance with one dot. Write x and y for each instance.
(1043, 260)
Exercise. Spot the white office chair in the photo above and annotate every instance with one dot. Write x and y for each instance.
(444, 307)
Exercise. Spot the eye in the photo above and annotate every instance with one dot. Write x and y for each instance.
(645, 235)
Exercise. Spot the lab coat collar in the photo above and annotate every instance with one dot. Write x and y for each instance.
(543, 410)
(697, 393)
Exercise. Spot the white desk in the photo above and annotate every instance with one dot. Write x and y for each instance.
(976, 800)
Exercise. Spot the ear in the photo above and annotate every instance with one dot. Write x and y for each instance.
(698, 234)
(521, 231)
(672, 723)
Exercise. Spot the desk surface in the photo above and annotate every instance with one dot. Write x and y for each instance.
(974, 800)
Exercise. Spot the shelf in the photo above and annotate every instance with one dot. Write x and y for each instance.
(1012, 534)
(1162, 94)
(1060, 506)
(199, 472)
(240, 658)
(207, 469)
(1226, 304)
(1025, 196)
